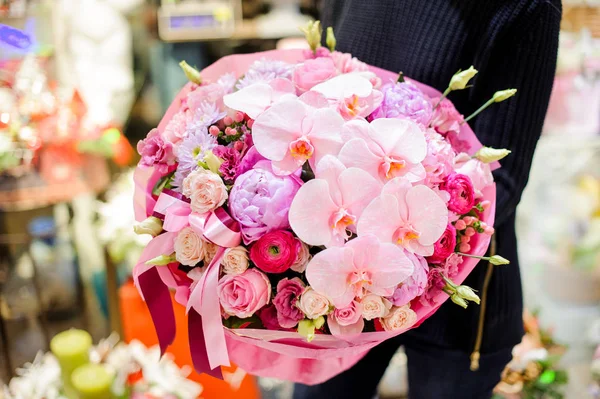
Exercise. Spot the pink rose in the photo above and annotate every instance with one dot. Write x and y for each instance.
(462, 195)
(275, 252)
(205, 189)
(313, 72)
(286, 301)
(345, 63)
(479, 172)
(374, 306)
(302, 258)
(244, 294)
(155, 150)
(346, 321)
(399, 318)
(313, 304)
(416, 283)
(446, 119)
(235, 260)
(444, 247)
(189, 247)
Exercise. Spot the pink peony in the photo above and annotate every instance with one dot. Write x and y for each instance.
(274, 252)
(155, 150)
(399, 318)
(479, 172)
(313, 72)
(439, 161)
(462, 194)
(243, 294)
(286, 301)
(444, 247)
(260, 201)
(205, 190)
(345, 63)
(251, 158)
(346, 321)
(446, 119)
(415, 285)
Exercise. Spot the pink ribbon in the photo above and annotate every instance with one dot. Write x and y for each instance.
(205, 328)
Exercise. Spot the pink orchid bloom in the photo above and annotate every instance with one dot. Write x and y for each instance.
(386, 148)
(352, 95)
(363, 265)
(255, 99)
(327, 208)
(411, 217)
(292, 132)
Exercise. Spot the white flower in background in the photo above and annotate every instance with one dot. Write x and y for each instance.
(37, 380)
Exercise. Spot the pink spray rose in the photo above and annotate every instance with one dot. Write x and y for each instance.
(416, 283)
(444, 247)
(260, 201)
(243, 294)
(155, 150)
(275, 252)
(346, 321)
(189, 247)
(205, 189)
(286, 301)
(399, 318)
(176, 129)
(235, 260)
(313, 72)
(313, 304)
(446, 119)
(462, 194)
(374, 306)
(302, 258)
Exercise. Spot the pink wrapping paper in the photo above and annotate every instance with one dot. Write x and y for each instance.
(287, 355)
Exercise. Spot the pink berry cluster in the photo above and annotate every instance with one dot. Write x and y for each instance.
(231, 129)
(469, 225)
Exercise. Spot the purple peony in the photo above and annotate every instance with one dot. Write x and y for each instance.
(260, 201)
(231, 160)
(404, 100)
(249, 160)
(288, 293)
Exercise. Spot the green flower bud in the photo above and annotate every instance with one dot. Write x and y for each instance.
(212, 162)
(162, 260)
(502, 95)
(489, 154)
(151, 225)
(459, 301)
(306, 328)
(312, 32)
(467, 293)
(460, 79)
(498, 260)
(330, 40)
(191, 73)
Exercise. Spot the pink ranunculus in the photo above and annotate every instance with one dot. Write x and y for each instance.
(260, 201)
(346, 63)
(374, 306)
(313, 304)
(274, 252)
(155, 150)
(411, 217)
(292, 132)
(244, 294)
(205, 190)
(444, 247)
(416, 283)
(363, 265)
(479, 172)
(302, 259)
(346, 321)
(386, 148)
(446, 119)
(286, 302)
(352, 95)
(313, 72)
(268, 317)
(399, 318)
(326, 209)
(256, 98)
(462, 194)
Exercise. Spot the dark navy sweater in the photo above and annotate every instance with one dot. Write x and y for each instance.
(513, 44)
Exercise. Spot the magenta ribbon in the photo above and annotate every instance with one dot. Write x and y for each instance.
(205, 328)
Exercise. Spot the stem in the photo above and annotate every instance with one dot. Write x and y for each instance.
(448, 90)
(473, 256)
(479, 110)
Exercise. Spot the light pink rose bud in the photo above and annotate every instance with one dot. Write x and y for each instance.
(235, 260)
(189, 247)
(205, 189)
(399, 318)
(313, 304)
(302, 258)
(374, 306)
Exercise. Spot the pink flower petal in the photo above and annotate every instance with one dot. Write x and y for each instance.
(281, 87)
(358, 189)
(286, 166)
(355, 129)
(365, 250)
(399, 137)
(428, 214)
(390, 268)
(325, 127)
(345, 331)
(329, 169)
(310, 213)
(327, 274)
(356, 153)
(343, 86)
(277, 127)
(252, 100)
(381, 218)
(398, 187)
(314, 99)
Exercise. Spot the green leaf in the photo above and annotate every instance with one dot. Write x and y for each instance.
(235, 322)
(162, 183)
(547, 377)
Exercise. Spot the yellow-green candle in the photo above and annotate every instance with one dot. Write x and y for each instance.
(71, 348)
(92, 381)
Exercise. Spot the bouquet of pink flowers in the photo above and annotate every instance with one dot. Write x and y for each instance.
(306, 206)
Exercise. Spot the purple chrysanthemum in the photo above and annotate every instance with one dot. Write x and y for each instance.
(404, 100)
(227, 82)
(264, 71)
(190, 152)
(205, 115)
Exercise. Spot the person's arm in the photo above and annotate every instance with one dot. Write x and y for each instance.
(527, 62)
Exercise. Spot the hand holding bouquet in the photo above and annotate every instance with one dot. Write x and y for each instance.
(306, 206)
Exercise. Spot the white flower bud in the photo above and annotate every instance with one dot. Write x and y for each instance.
(498, 260)
(330, 40)
(467, 293)
(459, 301)
(312, 32)
(191, 73)
(502, 95)
(162, 260)
(460, 79)
(489, 154)
(151, 225)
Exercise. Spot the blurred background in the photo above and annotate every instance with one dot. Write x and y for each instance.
(81, 81)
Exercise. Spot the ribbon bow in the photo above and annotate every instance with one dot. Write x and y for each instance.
(205, 329)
